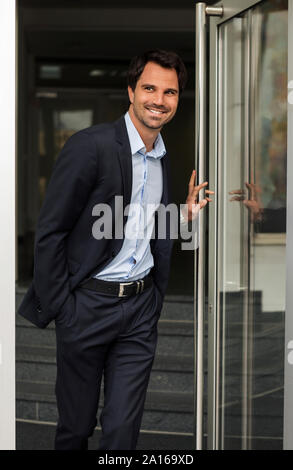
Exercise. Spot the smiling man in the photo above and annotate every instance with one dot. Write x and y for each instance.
(154, 100)
(106, 295)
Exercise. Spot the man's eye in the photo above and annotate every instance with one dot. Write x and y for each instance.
(148, 88)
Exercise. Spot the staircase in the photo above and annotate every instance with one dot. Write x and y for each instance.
(168, 417)
(168, 421)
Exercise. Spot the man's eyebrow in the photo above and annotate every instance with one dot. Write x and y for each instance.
(148, 84)
(154, 86)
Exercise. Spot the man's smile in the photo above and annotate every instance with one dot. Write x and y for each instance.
(156, 111)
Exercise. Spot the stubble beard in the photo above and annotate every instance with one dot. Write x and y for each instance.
(146, 123)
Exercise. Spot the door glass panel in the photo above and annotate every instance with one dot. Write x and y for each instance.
(252, 226)
(233, 221)
(64, 122)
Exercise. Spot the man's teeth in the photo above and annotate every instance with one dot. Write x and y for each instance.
(156, 112)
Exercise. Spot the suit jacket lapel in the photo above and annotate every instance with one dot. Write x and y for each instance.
(125, 159)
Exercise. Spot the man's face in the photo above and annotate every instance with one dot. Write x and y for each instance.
(155, 98)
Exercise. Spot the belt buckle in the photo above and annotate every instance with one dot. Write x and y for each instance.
(121, 288)
(140, 286)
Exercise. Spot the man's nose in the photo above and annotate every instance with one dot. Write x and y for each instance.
(158, 99)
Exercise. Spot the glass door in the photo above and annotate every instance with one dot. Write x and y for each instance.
(247, 226)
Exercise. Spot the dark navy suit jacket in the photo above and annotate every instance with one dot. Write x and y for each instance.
(93, 167)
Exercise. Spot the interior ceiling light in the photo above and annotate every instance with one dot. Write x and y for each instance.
(97, 73)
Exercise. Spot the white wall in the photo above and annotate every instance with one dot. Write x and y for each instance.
(7, 224)
(269, 272)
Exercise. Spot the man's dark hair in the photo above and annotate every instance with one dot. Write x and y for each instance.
(166, 59)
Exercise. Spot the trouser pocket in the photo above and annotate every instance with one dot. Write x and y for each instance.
(66, 310)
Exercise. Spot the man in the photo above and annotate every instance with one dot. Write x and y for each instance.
(106, 294)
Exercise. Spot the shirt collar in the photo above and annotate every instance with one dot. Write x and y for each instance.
(136, 142)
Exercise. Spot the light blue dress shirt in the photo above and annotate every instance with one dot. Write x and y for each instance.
(135, 260)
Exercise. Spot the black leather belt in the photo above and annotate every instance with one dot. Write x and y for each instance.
(119, 289)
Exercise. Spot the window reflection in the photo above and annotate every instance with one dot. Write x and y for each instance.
(265, 194)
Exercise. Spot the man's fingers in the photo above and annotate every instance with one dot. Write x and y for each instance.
(194, 191)
(192, 179)
(237, 198)
(197, 189)
(202, 185)
(236, 191)
(203, 203)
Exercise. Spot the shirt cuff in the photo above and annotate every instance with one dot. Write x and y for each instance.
(183, 214)
(189, 230)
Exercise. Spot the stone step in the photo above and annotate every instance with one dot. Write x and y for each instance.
(267, 417)
(172, 323)
(172, 336)
(175, 340)
(172, 326)
(37, 396)
(157, 400)
(164, 411)
(40, 436)
(47, 355)
(159, 379)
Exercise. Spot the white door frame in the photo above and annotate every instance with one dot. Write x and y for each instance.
(7, 233)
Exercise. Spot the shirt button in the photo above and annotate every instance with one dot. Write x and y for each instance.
(134, 261)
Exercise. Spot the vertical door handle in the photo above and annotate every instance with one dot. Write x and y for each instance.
(201, 13)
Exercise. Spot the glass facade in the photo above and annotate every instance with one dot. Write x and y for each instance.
(252, 226)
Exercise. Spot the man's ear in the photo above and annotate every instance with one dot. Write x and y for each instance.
(130, 94)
